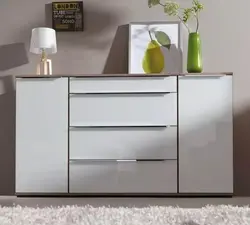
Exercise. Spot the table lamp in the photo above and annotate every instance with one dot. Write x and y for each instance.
(43, 42)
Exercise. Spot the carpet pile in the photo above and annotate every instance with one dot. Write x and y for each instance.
(154, 215)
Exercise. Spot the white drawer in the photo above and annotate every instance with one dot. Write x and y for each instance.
(123, 143)
(123, 84)
(123, 177)
(123, 110)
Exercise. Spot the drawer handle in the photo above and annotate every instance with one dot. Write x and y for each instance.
(125, 76)
(82, 161)
(125, 126)
(121, 93)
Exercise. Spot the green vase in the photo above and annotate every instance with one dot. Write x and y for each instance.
(194, 58)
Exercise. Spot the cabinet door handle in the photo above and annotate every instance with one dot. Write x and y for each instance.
(204, 76)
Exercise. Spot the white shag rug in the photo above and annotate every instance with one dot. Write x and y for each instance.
(76, 215)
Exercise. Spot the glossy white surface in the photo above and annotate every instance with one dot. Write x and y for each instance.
(123, 177)
(123, 143)
(123, 110)
(123, 84)
(41, 135)
(99, 130)
(206, 135)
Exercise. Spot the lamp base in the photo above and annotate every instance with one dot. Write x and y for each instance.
(44, 67)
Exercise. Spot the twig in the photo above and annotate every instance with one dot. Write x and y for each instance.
(150, 35)
(178, 18)
(197, 25)
(184, 23)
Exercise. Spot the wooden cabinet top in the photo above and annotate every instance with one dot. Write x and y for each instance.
(126, 75)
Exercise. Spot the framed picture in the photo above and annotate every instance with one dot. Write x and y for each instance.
(67, 16)
(155, 47)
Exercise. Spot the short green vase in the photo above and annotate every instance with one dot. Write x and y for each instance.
(194, 57)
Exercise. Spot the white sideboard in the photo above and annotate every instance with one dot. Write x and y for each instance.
(124, 134)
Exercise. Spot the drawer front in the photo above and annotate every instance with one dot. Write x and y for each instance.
(123, 177)
(123, 143)
(123, 84)
(123, 110)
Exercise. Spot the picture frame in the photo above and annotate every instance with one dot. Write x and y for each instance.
(139, 40)
(67, 16)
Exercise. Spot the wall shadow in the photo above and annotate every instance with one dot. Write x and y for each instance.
(97, 26)
(7, 136)
(48, 15)
(242, 153)
(12, 55)
(172, 59)
(117, 60)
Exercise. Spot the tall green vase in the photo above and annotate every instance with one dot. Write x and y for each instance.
(194, 58)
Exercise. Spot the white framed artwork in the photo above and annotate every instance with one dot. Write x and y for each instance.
(146, 51)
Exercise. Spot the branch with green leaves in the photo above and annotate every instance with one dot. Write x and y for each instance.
(172, 8)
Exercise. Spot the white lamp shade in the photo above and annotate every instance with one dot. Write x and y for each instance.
(43, 38)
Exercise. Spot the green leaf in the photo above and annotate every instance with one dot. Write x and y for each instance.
(153, 3)
(171, 8)
(163, 39)
(187, 14)
(197, 6)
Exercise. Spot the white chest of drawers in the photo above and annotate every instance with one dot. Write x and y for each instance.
(124, 135)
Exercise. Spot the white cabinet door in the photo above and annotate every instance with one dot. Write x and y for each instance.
(205, 134)
(41, 135)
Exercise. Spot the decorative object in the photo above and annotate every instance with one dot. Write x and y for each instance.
(67, 16)
(172, 125)
(158, 215)
(43, 41)
(153, 59)
(171, 8)
(155, 47)
(194, 58)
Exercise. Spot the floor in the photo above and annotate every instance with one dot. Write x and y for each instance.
(123, 202)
